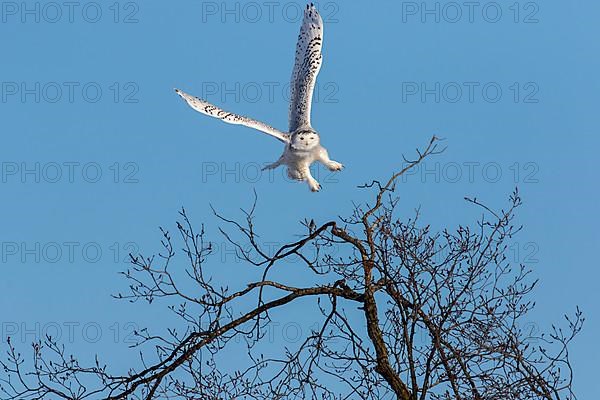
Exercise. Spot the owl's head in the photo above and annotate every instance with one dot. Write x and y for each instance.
(305, 139)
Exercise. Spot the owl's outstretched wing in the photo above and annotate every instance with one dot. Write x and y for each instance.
(211, 110)
(306, 68)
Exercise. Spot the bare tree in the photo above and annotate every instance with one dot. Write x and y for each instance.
(404, 313)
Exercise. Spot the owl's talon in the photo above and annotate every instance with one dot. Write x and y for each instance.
(314, 186)
(335, 166)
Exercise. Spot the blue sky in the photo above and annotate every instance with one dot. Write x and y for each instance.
(98, 151)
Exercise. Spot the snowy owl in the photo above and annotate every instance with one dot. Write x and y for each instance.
(302, 142)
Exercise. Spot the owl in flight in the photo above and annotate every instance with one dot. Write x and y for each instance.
(302, 142)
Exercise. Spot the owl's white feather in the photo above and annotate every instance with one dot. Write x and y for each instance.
(306, 68)
(302, 142)
(211, 110)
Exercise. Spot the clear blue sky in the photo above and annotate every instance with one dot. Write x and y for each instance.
(98, 151)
